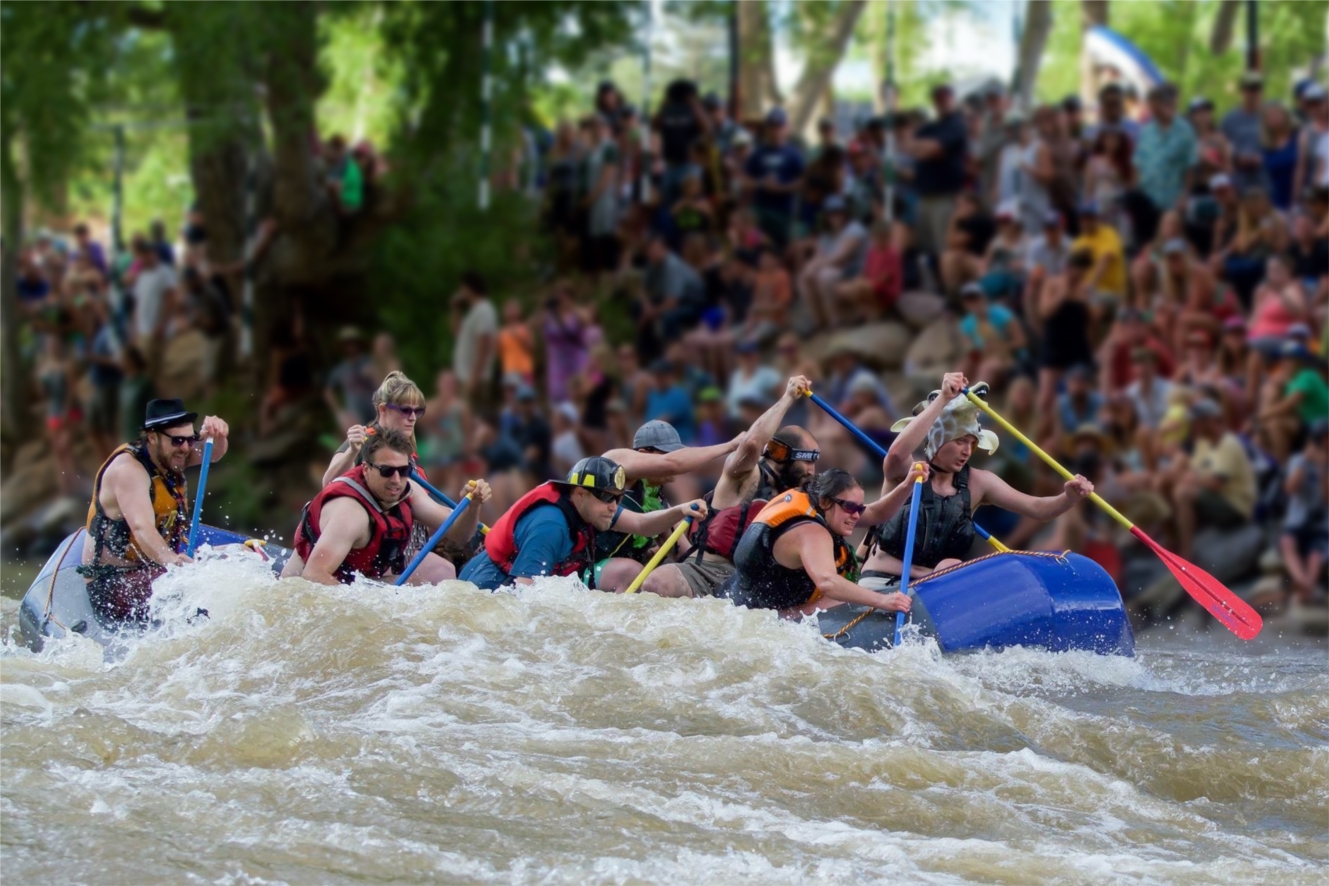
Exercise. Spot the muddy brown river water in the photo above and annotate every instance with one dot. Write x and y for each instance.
(350, 735)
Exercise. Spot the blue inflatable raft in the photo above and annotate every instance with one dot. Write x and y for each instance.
(1042, 601)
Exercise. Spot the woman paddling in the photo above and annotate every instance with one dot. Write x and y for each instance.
(794, 557)
(399, 404)
(945, 432)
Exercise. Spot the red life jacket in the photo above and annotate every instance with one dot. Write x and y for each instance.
(719, 533)
(501, 543)
(389, 534)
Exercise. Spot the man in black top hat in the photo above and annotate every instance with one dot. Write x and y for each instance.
(138, 521)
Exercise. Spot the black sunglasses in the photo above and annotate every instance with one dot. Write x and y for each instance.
(177, 442)
(851, 507)
(605, 495)
(386, 471)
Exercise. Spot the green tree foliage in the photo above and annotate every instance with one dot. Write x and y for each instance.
(1176, 35)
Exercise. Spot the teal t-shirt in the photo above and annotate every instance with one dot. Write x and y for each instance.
(1314, 392)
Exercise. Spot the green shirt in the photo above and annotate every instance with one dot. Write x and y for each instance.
(352, 186)
(1314, 392)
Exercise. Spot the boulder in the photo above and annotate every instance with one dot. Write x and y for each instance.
(918, 309)
(879, 345)
(937, 349)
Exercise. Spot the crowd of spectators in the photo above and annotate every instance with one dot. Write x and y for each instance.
(1146, 292)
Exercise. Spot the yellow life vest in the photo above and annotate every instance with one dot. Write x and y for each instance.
(169, 509)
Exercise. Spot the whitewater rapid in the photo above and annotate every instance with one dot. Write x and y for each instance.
(307, 734)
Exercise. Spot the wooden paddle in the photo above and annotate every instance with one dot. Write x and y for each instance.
(1235, 613)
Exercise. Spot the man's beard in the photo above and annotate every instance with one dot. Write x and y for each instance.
(789, 476)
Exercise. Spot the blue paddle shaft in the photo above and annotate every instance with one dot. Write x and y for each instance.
(198, 496)
(908, 554)
(870, 443)
(424, 484)
(434, 539)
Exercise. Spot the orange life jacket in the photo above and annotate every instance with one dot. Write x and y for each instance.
(169, 509)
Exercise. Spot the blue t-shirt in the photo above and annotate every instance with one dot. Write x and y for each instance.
(1071, 418)
(998, 315)
(673, 405)
(542, 540)
(786, 164)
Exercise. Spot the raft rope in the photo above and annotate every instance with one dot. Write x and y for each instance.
(50, 593)
(949, 569)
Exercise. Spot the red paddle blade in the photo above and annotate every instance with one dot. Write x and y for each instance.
(1235, 613)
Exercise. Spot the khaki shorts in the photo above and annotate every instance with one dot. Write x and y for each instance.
(705, 578)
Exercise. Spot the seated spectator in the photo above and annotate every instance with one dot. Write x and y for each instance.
(839, 257)
(865, 189)
(1079, 405)
(1002, 269)
(1298, 397)
(847, 373)
(1107, 278)
(446, 431)
(669, 400)
(1131, 330)
(674, 298)
(1215, 485)
(970, 231)
(1309, 257)
(1260, 234)
(516, 343)
(872, 294)
(1190, 298)
(1279, 303)
(566, 448)
(1304, 544)
(1148, 392)
(1214, 152)
(996, 340)
(713, 429)
(693, 212)
(350, 387)
(1047, 256)
(751, 379)
(746, 240)
(345, 179)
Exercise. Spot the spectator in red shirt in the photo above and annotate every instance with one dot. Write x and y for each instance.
(1130, 331)
(875, 290)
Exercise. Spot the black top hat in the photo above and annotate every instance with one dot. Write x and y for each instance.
(166, 414)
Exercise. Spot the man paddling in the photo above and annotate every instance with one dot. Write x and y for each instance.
(361, 522)
(766, 463)
(138, 520)
(552, 529)
(944, 435)
(656, 458)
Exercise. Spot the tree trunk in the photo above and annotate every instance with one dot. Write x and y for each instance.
(1037, 28)
(15, 404)
(823, 58)
(756, 64)
(1225, 24)
(1093, 13)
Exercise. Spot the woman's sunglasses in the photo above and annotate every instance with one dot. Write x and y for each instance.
(852, 508)
(407, 411)
(386, 471)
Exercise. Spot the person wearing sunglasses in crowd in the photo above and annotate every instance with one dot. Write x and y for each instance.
(943, 434)
(399, 404)
(138, 520)
(361, 523)
(794, 558)
(552, 529)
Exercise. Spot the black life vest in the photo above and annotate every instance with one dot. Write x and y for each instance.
(501, 542)
(390, 529)
(760, 582)
(945, 525)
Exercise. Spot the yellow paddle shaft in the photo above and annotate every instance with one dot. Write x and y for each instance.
(659, 555)
(1051, 462)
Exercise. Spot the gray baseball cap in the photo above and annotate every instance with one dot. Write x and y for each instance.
(657, 435)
